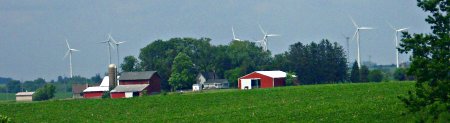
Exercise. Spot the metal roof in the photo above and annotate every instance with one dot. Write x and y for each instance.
(96, 88)
(105, 82)
(129, 88)
(273, 74)
(24, 93)
(136, 75)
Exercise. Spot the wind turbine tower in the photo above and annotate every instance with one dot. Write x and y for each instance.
(396, 31)
(356, 35)
(117, 43)
(69, 52)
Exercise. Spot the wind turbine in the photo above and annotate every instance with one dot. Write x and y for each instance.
(348, 46)
(109, 43)
(396, 30)
(234, 36)
(265, 38)
(69, 52)
(358, 28)
(117, 43)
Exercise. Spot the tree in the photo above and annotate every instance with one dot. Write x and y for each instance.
(45, 93)
(13, 86)
(354, 75)
(400, 74)
(130, 63)
(291, 79)
(313, 62)
(183, 72)
(376, 76)
(364, 74)
(430, 64)
(233, 75)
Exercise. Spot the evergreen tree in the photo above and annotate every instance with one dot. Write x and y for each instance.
(364, 74)
(430, 64)
(354, 75)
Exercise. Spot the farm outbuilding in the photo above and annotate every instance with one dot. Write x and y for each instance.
(262, 79)
(127, 91)
(210, 80)
(97, 91)
(149, 78)
(77, 90)
(24, 96)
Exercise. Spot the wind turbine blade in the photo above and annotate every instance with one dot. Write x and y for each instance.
(110, 44)
(354, 35)
(74, 50)
(121, 42)
(353, 21)
(273, 35)
(67, 53)
(403, 29)
(390, 25)
(232, 30)
(366, 28)
(67, 42)
(262, 30)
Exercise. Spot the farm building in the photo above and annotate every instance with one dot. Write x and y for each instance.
(24, 96)
(147, 80)
(127, 91)
(97, 91)
(262, 79)
(196, 87)
(77, 90)
(210, 80)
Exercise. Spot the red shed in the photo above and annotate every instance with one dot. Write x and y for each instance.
(262, 79)
(149, 78)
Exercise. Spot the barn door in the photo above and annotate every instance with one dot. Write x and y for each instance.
(246, 83)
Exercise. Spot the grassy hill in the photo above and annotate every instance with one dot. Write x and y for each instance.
(368, 102)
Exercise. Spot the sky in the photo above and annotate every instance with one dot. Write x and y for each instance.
(33, 32)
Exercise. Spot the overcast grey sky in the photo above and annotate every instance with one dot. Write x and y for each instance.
(32, 32)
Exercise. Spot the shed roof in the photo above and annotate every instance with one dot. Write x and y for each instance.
(273, 74)
(129, 88)
(137, 75)
(96, 88)
(24, 93)
(217, 81)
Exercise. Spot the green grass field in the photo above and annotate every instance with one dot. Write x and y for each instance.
(368, 102)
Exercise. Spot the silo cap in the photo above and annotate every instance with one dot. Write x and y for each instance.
(112, 66)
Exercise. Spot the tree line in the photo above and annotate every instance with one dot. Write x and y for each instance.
(179, 60)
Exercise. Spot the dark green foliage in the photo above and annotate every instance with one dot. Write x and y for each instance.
(5, 119)
(33, 85)
(334, 103)
(291, 79)
(401, 74)
(312, 62)
(233, 75)
(183, 72)
(430, 64)
(97, 78)
(364, 74)
(354, 74)
(106, 95)
(13, 86)
(130, 64)
(376, 76)
(45, 93)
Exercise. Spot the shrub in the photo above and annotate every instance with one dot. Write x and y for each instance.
(45, 93)
(376, 76)
(106, 95)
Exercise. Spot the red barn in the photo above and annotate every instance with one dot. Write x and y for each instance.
(133, 83)
(97, 91)
(262, 79)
